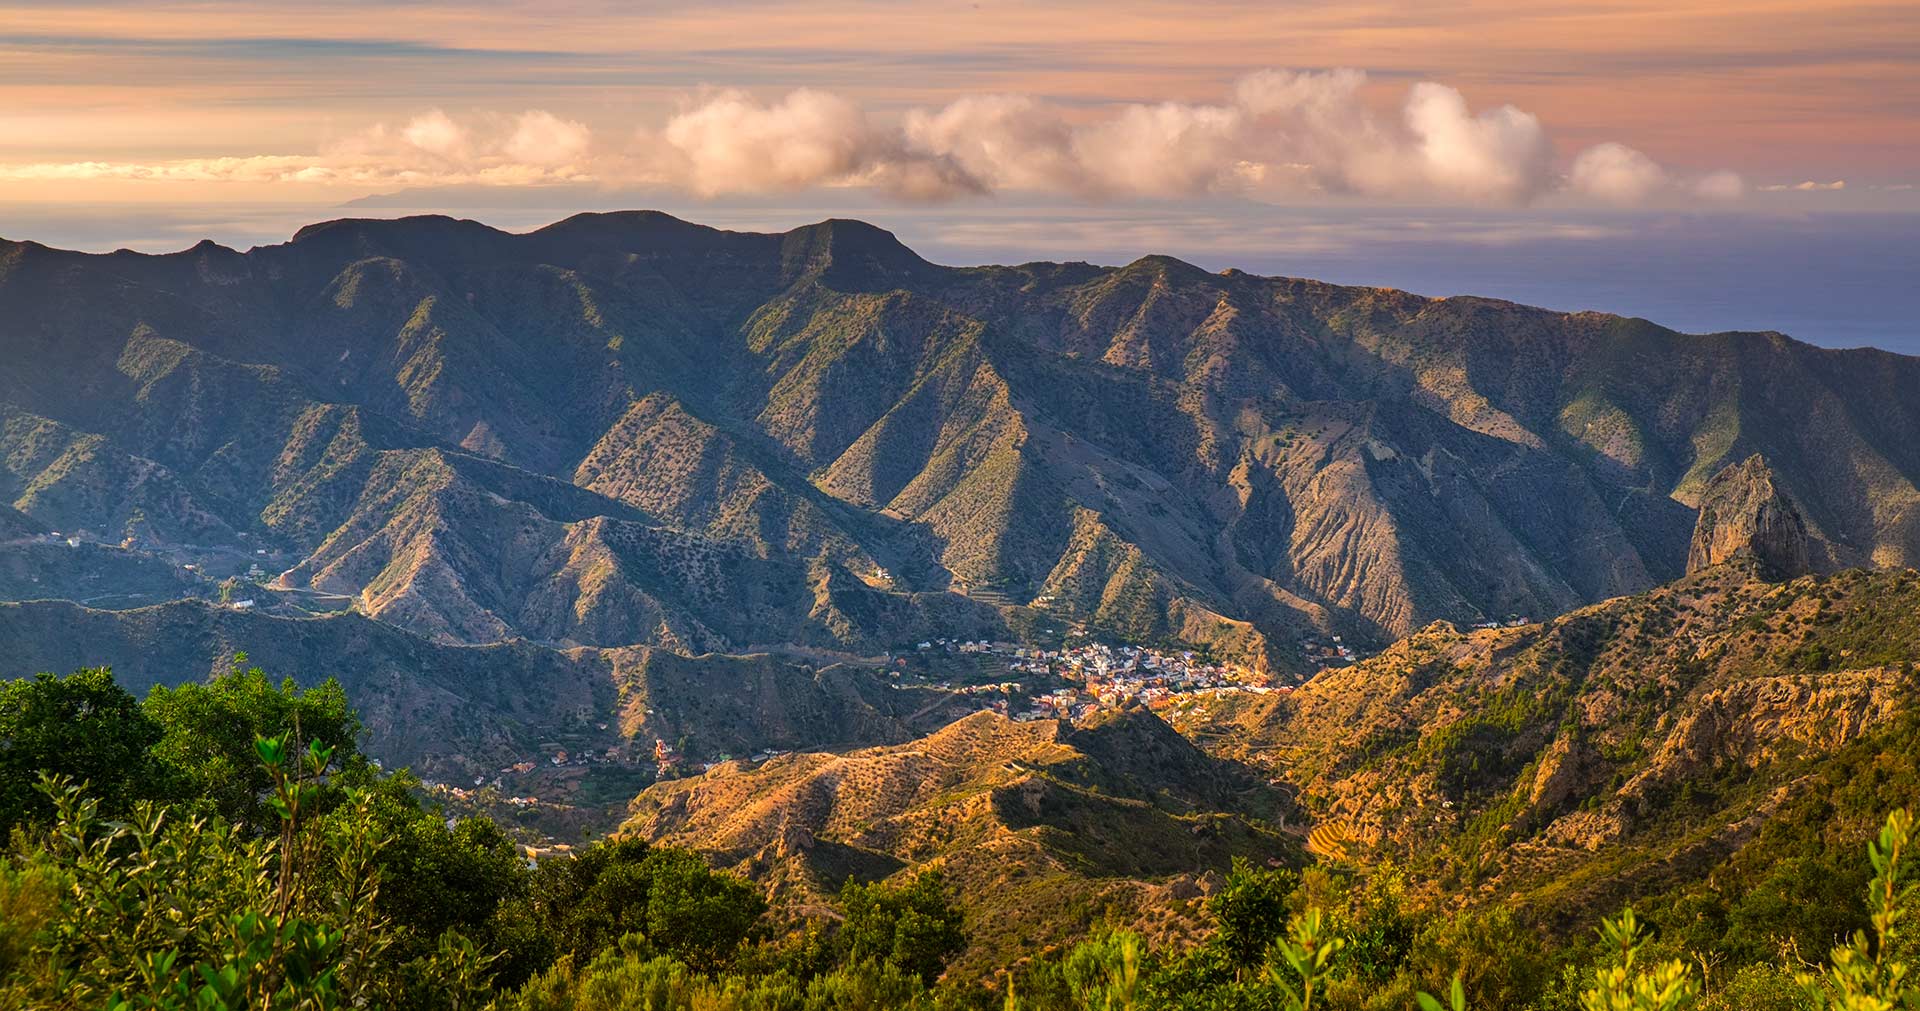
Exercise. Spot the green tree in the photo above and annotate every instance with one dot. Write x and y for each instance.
(913, 926)
(1804, 901)
(665, 898)
(209, 731)
(84, 726)
(696, 915)
(1250, 913)
(578, 906)
(438, 877)
(866, 986)
(1499, 962)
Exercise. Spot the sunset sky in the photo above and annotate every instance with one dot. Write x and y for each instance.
(1407, 144)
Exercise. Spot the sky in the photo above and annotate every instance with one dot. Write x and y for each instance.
(1711, 165)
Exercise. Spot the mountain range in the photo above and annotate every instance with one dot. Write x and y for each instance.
(626, 429)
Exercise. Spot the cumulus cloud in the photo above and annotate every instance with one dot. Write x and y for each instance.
(1274, 134)
(731, 143)
(1809, 186)
(1012, 139)
(436, 133)
(1616, 174)
(1500, 154)
(1277, 132)
(542, 138)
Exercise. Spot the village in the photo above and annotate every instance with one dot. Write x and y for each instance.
(1074, 681)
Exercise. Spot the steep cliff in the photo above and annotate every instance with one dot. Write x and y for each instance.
(1745, 514)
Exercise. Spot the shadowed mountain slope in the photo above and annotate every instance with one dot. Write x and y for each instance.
(455, 711)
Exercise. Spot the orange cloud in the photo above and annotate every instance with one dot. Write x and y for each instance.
(1786, 89)
(1276, 134)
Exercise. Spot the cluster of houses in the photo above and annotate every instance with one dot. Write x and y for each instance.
(1070, 683)
(1126, 686)
(560, 758)
(552, 756)
(1095, 659)
(1094, 676)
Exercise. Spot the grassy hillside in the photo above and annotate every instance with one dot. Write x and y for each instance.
(1610, 754)
(1044, 829)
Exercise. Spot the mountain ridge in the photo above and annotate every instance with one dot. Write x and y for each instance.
(1162, 452)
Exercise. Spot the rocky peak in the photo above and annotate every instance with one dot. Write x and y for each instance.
(1745, 514)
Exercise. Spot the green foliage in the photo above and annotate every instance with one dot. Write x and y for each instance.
(1873, 974)
(210, 730)
(84, 726)
(627, 977)
(619, 978)
(435, 878)
(1624, 985)
(1303, 960)
(1803, 903)
(1763, 986)
(696, 915)
(664, 899)
(1498, 959)
(135, 904)
(1456, 998)
(1104, 974)
(1378, 930)
(866, 986)
(1250, 912)
(163, 913)
(912, 927)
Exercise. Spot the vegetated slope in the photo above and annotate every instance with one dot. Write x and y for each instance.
(453, 711)
(1620, 750)
(38, 568)
(15, 525)
(1044, 828)
(459, 424)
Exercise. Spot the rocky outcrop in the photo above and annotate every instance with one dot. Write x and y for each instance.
(1745, 514)
(1741, 726)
